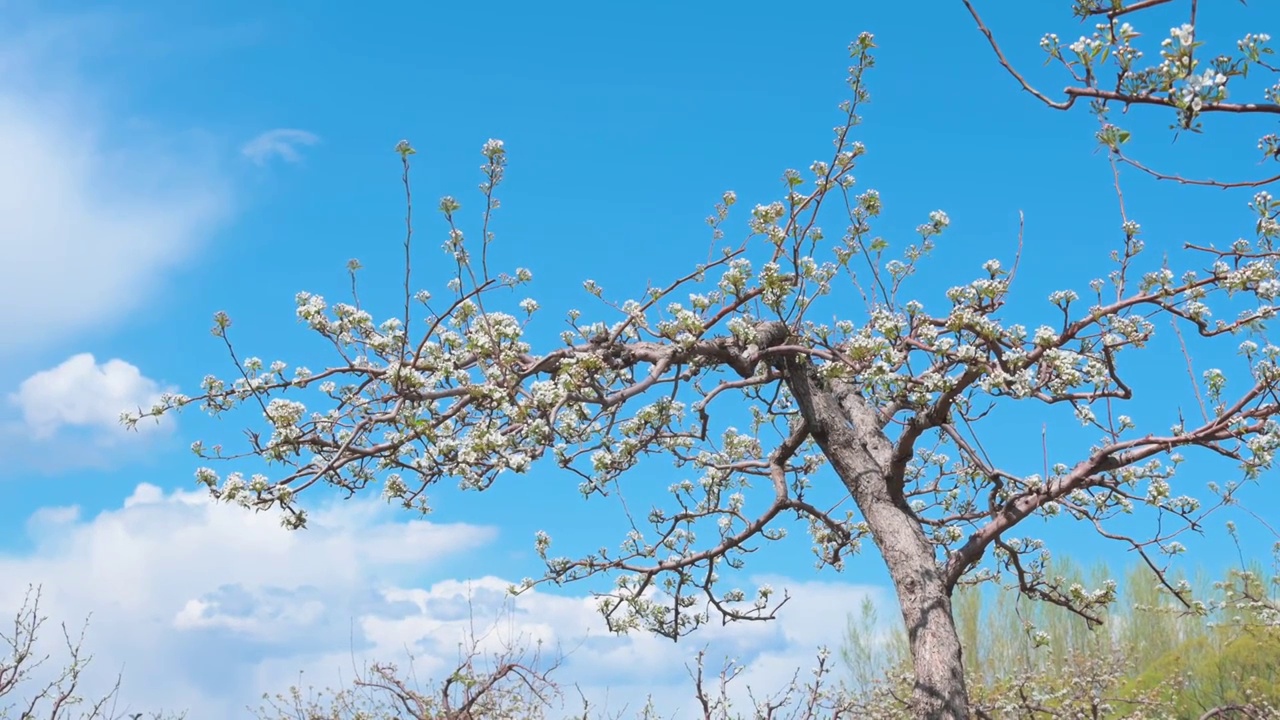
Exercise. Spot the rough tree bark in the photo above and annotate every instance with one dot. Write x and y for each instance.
(850, 433)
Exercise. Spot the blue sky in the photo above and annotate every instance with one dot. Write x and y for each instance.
(143, 196)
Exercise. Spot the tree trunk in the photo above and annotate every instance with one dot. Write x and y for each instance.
(849, 432)
(939, 690)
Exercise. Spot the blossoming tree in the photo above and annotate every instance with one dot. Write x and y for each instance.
(888, 401)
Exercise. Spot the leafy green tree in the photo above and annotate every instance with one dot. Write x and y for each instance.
(889, 400)
(1149, 659)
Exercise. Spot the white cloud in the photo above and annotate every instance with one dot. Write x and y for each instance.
(207, 606)
(281, 142)
(82, 393)
(177, 584)
(88, 223)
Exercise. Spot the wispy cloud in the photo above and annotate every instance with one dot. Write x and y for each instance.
(90, 221)
(282, 143)
(178, 584)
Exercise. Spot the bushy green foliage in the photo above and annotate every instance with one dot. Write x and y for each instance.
(1149, 658)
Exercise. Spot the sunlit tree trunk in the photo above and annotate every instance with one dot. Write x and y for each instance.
(848, 430)
(939, 690)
